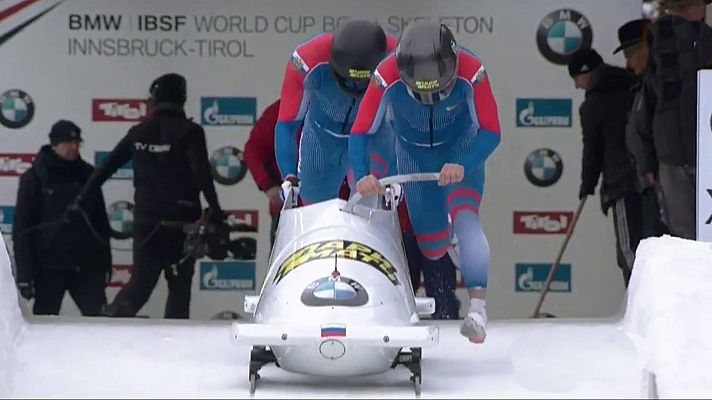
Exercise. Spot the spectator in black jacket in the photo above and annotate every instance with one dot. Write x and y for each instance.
(635, 50)
(603, 121)
(53, 253)
(680, 44)
(171, 169)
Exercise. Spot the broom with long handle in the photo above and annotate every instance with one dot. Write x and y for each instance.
(569, 232)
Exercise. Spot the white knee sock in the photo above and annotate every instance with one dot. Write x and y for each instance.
(478, 305)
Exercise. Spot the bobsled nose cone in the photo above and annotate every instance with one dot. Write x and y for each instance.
(332, 349)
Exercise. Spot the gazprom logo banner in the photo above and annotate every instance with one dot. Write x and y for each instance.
(7, 217)
(532, 278)
(544, 113)
(227, 275)
(125, 172)
(228, 111)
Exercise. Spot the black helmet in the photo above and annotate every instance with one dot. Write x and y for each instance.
(169, 88)
(356, 50)
(427, 60)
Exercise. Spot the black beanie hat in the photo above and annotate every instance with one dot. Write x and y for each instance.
(63, 131)
(169, 88)
(584, 61)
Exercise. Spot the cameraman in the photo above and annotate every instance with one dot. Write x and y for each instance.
(171, 168)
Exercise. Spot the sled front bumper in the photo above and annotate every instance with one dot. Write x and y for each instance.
(309, 335)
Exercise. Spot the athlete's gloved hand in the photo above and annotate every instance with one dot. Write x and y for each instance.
(451, 173)
(369, 186)
(396, 194)
(289, 191)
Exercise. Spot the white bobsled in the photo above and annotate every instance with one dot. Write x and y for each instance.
(337, 299)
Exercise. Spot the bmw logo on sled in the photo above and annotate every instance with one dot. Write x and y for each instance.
(337, 299)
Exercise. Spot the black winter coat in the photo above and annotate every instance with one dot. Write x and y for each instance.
(635, 131)
(171, 167)
(603, 121)
(40, 239)
(678, 49)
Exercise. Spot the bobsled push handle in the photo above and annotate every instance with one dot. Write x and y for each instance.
(393, 180)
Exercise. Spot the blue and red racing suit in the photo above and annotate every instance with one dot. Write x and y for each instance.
(311, 95)
(462, 128)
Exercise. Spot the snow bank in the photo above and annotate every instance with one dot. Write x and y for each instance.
(10, 320)
(669, 311)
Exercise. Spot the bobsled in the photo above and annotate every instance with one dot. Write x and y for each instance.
(337, 299)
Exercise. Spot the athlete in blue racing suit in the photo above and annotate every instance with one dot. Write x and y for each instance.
(322, 89)
(444, 116)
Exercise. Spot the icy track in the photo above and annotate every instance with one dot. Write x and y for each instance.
(655, 350)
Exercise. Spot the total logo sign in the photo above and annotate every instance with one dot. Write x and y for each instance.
(248, 217)
(120, 275)
(541, 222)
(7, 217)
(120, 110)
(14, 164)
(227, 275)
(532, 278)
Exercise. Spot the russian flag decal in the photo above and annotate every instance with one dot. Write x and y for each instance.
(333, 330)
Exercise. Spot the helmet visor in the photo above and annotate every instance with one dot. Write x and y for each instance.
(430, 97)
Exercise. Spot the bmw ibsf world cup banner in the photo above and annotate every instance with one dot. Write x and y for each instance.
(91, 61)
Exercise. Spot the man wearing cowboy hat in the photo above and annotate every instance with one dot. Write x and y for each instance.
(635, 50)
(680, 44)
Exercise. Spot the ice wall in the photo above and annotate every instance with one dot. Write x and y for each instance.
(11, 320)
(669, 312)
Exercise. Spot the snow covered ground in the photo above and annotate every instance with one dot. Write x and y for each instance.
(144, 358)
(660, 336)
(668, 315)
(10, 321)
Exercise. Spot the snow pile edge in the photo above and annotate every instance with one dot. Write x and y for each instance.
(668, 311)
(11, 320)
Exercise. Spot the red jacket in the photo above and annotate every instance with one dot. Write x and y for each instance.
(260, 156)
(259, 153)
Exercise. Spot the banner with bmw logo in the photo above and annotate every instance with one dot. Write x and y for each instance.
(92, 61)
